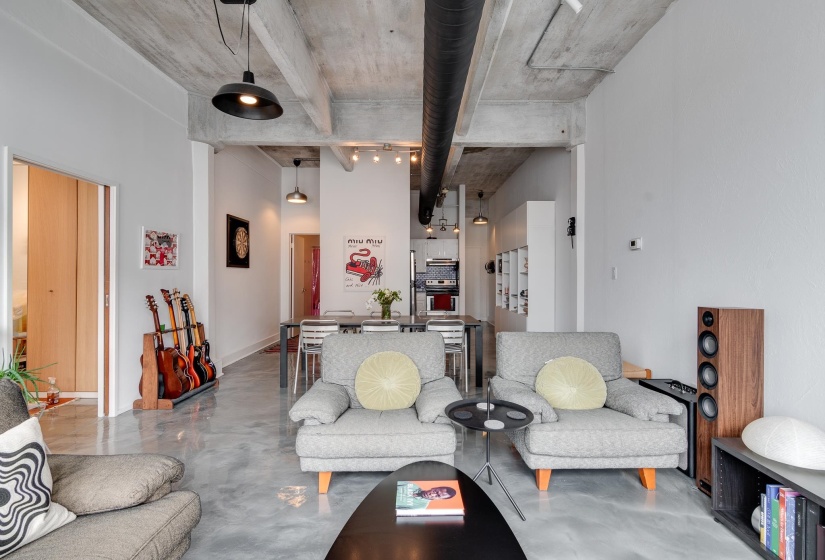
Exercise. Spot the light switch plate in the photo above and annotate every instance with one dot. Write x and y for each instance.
(636, 244)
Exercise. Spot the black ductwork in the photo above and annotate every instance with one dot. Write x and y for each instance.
(450, 29)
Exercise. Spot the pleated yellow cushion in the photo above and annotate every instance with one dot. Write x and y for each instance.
(387, 381)
(572, 384)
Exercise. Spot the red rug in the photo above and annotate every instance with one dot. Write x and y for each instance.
(291, 347)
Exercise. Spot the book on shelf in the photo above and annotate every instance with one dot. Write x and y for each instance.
(801, 505)
(789, 529)
(415, 498)
(762, 514)
(772, 517)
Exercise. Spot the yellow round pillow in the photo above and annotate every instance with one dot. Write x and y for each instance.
(572, 384)
(387, 381)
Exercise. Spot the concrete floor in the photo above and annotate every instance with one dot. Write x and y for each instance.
(238, 447)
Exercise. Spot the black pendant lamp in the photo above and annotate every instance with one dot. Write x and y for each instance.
(480, 220)
(245, 99)
(296, 196)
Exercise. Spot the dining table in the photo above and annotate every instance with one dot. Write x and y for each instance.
(408, 322)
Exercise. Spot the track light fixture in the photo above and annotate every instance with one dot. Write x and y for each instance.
(455, 228)
(414, 157)
(386, 148)
(355, 156)
(480, 220)
(397, 158)
(296, 196)
(375, 158)
(245, 99)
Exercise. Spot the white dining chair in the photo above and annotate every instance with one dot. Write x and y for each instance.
(378, 313)
(341, 313)
(310, 339)
(455, 342)
(380, 325)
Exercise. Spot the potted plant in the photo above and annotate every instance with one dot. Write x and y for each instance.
(11, 368)
(385, 298)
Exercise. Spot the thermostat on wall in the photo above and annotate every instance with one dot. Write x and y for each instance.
(636, 244)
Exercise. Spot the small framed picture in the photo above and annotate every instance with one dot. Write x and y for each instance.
(237, 242)
(159, 249)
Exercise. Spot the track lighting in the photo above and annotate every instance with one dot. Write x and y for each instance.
(455, 228)
(355, 156)
(414, 157)
(375, 158)
(429, 228)
(397, 158)
(386, 148)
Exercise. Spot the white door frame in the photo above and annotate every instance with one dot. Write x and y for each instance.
(6, 192)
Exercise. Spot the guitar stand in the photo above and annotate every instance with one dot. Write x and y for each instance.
(490, 470)
(149, 381)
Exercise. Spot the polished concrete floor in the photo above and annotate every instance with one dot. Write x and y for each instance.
(238, 446)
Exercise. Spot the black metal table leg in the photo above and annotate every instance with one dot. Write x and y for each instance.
(284, 356)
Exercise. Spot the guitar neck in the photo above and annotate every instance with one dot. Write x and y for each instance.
(168, 299)
(195, 332)
(154, 309)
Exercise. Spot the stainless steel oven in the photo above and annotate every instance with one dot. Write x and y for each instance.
(442, 295)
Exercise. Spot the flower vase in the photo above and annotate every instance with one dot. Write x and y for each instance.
(386, 311)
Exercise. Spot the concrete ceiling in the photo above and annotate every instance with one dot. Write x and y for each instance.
(285, 154)
(349, 73)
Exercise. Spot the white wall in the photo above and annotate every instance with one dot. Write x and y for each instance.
(247, 185)
(545, 175)
(76, 98)
(371, 200)
(708, 142)
(475, 286)
(297, 218)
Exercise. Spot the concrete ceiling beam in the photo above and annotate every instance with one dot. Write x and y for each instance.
(278, 30)
(495, 124)
(452, 164)
(344, 156)
(493, 20)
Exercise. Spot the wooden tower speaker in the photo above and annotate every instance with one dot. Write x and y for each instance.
(729, 379)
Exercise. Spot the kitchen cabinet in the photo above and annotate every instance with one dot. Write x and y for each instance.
(442, 248)
(420, 248)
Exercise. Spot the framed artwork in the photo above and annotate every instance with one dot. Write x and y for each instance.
(237, 242)
(158, 249)
(363, 263)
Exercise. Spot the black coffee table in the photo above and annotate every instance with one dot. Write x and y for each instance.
(459, 411)
(373, 531)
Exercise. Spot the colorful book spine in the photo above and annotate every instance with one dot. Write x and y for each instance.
(801, 507)
(771, 520)
(790, 524)
(782, 523)
(762, 514)
(811, 523)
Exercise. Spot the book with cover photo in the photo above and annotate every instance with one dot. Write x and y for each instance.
(428, 497)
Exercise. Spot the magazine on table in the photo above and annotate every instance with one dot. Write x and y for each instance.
(415, 498)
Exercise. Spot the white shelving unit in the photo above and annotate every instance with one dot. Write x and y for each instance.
(525, 269)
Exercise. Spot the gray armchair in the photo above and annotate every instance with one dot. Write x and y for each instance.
(338, 434)
(124, 504)
(632, 430)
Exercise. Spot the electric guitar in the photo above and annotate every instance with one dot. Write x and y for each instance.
(202, 344)
(193, 353)
(170, 377)
(192, 379)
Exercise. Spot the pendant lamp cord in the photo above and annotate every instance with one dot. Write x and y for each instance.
(240, 38)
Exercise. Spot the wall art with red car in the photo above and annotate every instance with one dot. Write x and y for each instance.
(363, 263)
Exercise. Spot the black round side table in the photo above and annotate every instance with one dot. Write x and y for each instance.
(501, 416)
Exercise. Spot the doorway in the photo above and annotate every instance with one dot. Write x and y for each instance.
(60, 264)
(305, 284)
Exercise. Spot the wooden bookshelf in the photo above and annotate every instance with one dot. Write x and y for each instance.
(740, 476)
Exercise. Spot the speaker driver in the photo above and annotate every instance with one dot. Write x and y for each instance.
(707, 319)
(708, 344)
(708, 376)
(707, 407)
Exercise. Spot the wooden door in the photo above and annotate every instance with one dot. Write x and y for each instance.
(52, 276)
(87, 287)
(310, 241)
(298, 275)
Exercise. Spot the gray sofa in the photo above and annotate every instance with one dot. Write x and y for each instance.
(338, 434)
(125, 506)
(633, 429)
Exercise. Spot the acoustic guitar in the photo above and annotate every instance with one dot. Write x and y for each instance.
(202, 344)
(170, 378)
(193, 353)
(183, 361)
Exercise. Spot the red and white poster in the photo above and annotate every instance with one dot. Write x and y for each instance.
(363, 263)
(159, 249)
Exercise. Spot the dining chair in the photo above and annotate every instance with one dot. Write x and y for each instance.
(455, 342)
(309, 342)
(340, 313)
(380, 325)
(378, 313)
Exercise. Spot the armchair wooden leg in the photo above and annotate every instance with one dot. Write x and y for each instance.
(323, 482)
(648, 478)
(543, 478)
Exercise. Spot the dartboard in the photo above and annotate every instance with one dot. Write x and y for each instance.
(241, 242)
